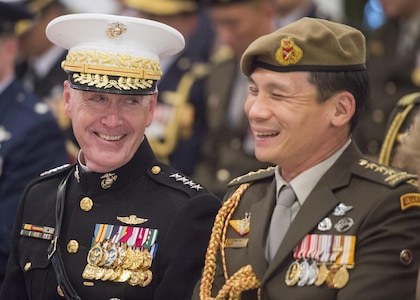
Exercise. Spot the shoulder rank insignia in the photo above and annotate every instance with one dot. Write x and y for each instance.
(186, 181)
(253, 175)
(132, 220)
(409, 200)
(385, 174)
(241, 226)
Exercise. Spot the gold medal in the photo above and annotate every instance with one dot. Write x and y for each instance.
(322, 274)
(89, 272)
(107, 274)
(99, 273)
(135, 278)
(146, 278)
(115, 273)
(337, 277)
(341, 278)
(147, 260)
(293, 273)
(124, 276)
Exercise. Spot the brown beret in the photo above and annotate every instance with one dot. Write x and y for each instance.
(308, 44)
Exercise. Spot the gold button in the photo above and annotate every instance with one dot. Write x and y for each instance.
(60, 291)
(27, 266)
(72, 246)
(156, 170)
(86, 204)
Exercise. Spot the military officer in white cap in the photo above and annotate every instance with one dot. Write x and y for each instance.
(118, 224)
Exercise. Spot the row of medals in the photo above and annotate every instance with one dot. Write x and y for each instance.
(122, 263)
(305, 273)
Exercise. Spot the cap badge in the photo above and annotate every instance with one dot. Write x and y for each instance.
(116, 29)
(288, 53)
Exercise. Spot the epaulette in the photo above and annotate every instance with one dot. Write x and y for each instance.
(200, 69)
(253, 176)
(221, 54)
(383, 174)
(400, 119)
(55, 171)
(170, 177)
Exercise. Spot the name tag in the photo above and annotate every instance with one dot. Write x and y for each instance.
(236, 243)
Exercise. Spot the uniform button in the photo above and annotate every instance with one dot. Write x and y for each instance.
(406, 257)
(72, 246)
(27, 266)
(60, 291)
(86, 204)
(156, 170)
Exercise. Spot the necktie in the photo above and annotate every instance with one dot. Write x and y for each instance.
(280, 220)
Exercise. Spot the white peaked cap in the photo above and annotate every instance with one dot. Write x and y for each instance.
(114, 54)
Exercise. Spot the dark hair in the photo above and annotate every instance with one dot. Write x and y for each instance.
(355, 82)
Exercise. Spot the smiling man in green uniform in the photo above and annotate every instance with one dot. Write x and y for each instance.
(351, 227)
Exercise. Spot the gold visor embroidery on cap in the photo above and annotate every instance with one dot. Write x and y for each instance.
(103, 81)
(114, 64)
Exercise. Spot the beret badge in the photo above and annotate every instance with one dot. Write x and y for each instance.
(288, 53)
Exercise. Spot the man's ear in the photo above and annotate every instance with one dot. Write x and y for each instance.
(152, 106)
(344, 106)
(66, 97)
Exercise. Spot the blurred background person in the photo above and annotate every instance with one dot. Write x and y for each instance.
(228, 148)
(179, 122)
(408, 152)
(399, 125)
(393, 64)
(30, 139)
(288, 11)
(40, 65)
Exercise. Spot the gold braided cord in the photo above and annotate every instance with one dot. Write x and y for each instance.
(391, 136)
(244, 279)
(115, 64)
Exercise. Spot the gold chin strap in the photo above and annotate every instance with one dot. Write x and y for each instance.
(244, 279)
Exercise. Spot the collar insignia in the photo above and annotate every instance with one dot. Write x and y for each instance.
(108, 179)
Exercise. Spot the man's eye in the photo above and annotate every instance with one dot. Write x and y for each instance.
(132, 101)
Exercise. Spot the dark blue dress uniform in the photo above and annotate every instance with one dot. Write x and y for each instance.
(181, 210)
(30, 143)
